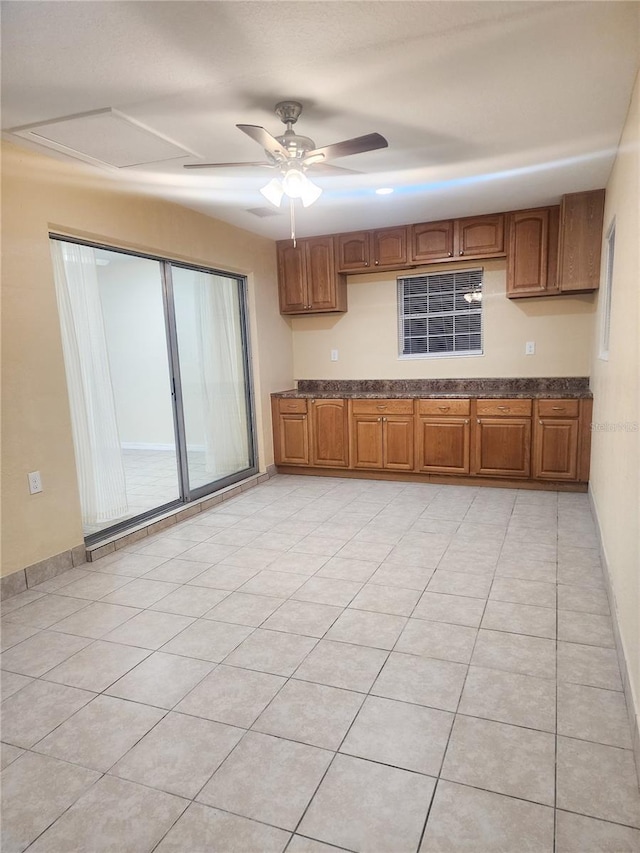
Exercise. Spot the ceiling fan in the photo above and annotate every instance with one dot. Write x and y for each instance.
(292, 155)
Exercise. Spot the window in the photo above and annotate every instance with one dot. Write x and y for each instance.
(440, 314)
(605, 317)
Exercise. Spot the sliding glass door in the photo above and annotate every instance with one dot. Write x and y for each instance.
(156, 356)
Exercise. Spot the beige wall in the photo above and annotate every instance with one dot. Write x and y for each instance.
(40, 194)
(366, 337)
(615, 463)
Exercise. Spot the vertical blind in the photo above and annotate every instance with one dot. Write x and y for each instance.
(435, 318)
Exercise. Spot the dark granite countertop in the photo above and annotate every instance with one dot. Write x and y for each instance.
(556, 387)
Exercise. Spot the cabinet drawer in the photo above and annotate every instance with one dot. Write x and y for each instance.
(382, 407)
(519, 408)
(558, 408)
(443, 407)
(292, 405)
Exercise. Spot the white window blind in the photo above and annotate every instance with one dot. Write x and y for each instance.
(440, 314)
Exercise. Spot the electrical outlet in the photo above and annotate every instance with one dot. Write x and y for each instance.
(35, 482)
(334, 355)
(530, 348)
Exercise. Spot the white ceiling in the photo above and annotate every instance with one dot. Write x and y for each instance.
(487, 106)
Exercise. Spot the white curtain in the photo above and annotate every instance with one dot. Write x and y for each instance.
(222, 375)
(101, 475)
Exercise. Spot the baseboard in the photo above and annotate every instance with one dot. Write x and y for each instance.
(633, 705)
(44, 570)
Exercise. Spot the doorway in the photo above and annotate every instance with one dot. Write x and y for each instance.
(157, 362)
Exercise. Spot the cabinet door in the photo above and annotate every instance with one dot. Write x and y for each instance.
(397, 443)
(581, 219)
(353, 251)
(503, 447)
(329, 433)
(292, 444)
(389, 247)
(321, 273)
(527, 257)
(480, 236)
(431, 241)
(366, 441)
(443, 444)
(555, 449)
(292, 277)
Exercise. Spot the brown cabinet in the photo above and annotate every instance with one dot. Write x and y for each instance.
(307, 277)
(443, 433)
(290, 431)
(329, 428)
(503, 438)
(581, 220)
(556, 440)
(450, 240)
(382, 434)
(532, 257)
(361, 251)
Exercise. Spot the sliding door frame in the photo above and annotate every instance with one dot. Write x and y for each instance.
(187, 495)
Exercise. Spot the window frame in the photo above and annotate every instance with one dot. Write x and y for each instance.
(604, 343)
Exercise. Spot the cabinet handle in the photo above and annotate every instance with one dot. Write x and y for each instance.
(558, 408)
(381, 407)
(366, 263)
(540, 422)
(504, 408)
(477, 420)
(379, 419)
(449, 254)
(467, 421)
(313, 401)
(384, 419)
(444, 408)
(376, 262)
(461, 251)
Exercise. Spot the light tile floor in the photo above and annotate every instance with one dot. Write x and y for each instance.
(325, 664)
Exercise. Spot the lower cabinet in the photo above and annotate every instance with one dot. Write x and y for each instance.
(290, 431)
(503, 438)
(443, 432)
(382, 434)
(329, 432)
(556, 440)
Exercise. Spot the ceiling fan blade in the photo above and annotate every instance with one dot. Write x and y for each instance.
(328, 169)
(264, 138)
(370, 142)
(224, 165)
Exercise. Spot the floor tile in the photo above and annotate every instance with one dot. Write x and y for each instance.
(530, 570)
(509, 697)
(300, 844)
(46, 611)
(129, 565)
(200, 824)
(40, 653)
(460, 583)
(348, 569)
(161, 680)
(362, 628)
(501, 758)
(611, 793)
(272, 651)
(113, 815)
(190, 601)
(224, 577)
(520, 619)
(176, 570)
(303, 617)
(437, 640)
(100, 733)
(581, 576)
(95, 620)
(403, 735)
(402, 575)
(375, 552)
(583, 599)
(95, 586)
(162, 546)
(342, 665)
(36, 790)
(298, 564)
(580, 834)
(327, 591)
(466, 820)
(435, 683)
(519, 591)
(324, 546)
(279, 584)
(12, 682)
(310, 713)
(590, 665)
(515, 653)
(234, 536)
(389, 818)
(593, 714)
(232, 695)
(251, 558)
(8, 754)
(179, 755)
(37, 709)
(15, 632)
(141, 593)
(207, 640)
(455, 609)
(209, 552)
(293, 770)
(149, 629)
(98, 666)
(586, 628)
(16, 602)
(242, 608)
(394, 600)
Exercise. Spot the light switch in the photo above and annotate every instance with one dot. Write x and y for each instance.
(334, 355)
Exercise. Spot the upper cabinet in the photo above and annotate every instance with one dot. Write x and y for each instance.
(307, 277)
(450, 240)
(581, 219)
(532, 256)
(361, 251)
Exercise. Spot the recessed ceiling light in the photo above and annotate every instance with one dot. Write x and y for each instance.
(384, 191)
